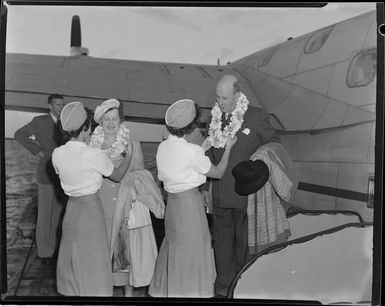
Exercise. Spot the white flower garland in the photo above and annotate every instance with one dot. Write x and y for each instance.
(118, 146)
(217, 137)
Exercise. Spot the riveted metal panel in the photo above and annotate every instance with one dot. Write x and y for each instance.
(290, 143)
(255, 77)
(310, 200)
(301, 109)
(285, 60)
(317, 79)
(370, 108)
(371, 37)
(354, 176)
(35, 59)
(64, 84)
(272, 92)
(319, 173)
(332, 116)
(354, 115)
(348, 144)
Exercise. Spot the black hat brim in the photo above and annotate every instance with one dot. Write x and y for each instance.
(246, 189)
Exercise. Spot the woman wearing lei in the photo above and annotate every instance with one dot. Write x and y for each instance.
(112, 136)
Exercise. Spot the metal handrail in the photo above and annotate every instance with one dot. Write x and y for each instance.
(292, 211)
(25, 264)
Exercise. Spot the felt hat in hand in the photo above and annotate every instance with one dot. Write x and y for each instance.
(250, 176)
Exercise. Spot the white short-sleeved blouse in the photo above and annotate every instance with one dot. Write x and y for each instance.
(80, 168)
(181, 165)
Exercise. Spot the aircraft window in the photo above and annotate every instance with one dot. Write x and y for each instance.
(266, 58)
(317, 40)
(362, 68)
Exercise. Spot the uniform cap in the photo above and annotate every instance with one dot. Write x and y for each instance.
(180, 114)
(73, 116)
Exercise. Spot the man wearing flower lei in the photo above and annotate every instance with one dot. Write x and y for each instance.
(232, 115)
(112, 136)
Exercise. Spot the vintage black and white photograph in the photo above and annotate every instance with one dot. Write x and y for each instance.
(212, 153)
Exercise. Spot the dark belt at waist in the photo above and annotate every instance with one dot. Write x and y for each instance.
(183, 194)
(85, 198)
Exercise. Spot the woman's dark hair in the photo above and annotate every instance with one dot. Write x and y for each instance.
(89, 122)
(188, 128)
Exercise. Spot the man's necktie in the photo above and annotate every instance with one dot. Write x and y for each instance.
(228, 119)
(224, 121)
(58, 136)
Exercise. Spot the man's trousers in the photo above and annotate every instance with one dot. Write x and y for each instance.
(49, 212)
(230, 245)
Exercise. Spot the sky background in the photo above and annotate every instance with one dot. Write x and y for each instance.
(173, 34)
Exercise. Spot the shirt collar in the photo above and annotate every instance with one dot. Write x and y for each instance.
(76, 143)
(175, 138)
(54, 118)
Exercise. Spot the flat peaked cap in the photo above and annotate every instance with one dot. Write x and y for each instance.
(73, 116)
(181, 113)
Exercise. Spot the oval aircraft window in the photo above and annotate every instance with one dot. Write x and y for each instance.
(362, 68)
(317, 40)
(266, 58)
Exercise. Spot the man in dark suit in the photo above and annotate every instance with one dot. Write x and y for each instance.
(41, 136)
(230, 209)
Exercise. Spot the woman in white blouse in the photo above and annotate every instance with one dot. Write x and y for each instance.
(185, 265)
(84, 264)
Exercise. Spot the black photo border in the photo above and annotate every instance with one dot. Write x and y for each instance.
(379, 146)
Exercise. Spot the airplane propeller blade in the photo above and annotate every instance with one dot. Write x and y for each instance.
(76, 38)
(76, 35)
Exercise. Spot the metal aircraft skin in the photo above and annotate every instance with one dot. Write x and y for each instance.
(319, 89)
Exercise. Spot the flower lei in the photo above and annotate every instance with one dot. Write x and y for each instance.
(217, 137)
(117, 147)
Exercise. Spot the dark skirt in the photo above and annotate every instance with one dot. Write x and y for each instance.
(185, 265)
(84, 263)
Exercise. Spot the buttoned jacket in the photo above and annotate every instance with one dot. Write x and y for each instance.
(41, 134)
